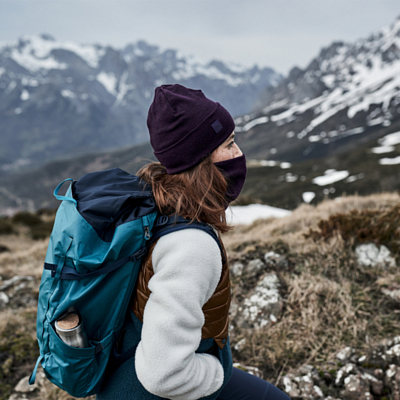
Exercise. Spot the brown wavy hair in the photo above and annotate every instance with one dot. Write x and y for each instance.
(197, 193)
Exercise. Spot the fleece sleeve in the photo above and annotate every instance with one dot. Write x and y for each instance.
(187, 268)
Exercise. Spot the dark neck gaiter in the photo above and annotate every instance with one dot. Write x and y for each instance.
(234, 171)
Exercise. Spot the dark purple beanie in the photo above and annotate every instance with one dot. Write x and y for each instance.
(185, 126)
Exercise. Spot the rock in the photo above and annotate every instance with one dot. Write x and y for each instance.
(264, 302)
(392, 380)
(40, 378)
(3, 248)
(392, 291)
(3, 299)
(344, 372)
(233, 310)
(379, 374)
(393, 354)
(251, 370)
(307, 388)
(391, 342)
(24, 387)
(271, 257)
(237, 269)
(311, 371)
(17, 397)
(356, 387)
(361, 359)
(328, 378)
(370, 255)
(375, 384)
(274, 259)
(10, 282)
(254, 266)
(378, 356)
(300, 387)
(345, 354)
(240, 344)
(289, 386)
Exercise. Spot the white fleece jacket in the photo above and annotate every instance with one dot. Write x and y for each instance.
(187, 268)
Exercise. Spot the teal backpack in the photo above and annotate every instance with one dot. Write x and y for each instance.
(103, 227)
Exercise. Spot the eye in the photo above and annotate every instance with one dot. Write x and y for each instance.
(230, 144)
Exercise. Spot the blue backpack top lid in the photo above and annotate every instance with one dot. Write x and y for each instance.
(107, 200)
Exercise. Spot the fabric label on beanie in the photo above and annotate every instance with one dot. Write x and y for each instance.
(217, 126)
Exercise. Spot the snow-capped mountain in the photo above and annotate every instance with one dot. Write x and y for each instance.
(61, 98)
(348, 95)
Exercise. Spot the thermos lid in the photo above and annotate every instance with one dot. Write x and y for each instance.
(70, 321)
(69, 325)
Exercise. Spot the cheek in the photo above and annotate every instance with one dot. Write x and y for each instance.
(222, 155)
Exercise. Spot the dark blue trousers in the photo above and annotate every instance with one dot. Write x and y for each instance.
(243, 386)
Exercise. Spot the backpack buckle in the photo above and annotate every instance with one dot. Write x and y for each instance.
(139, 254)
(162, 220)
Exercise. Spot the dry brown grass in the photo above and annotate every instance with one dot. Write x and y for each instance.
(18, 347)
(24, 261)
(330, 300)
(302, 219)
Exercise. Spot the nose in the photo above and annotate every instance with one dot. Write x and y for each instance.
(238, 152)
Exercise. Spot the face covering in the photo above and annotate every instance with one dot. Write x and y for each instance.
(234, 171)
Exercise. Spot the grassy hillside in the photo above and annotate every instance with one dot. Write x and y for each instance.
(272, 185)
(284, 187)
(328, 299)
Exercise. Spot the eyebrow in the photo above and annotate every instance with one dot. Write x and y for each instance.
(230, 137)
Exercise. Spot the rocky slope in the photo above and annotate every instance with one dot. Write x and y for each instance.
(314, 308)
(348, 95)
(62, 98)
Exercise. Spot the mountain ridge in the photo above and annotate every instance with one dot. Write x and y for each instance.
(60, 97)
(347, 90)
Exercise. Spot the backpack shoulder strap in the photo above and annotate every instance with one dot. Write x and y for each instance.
(162, 226)
(165, 225)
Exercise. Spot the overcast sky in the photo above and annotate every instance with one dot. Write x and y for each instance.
(275, 33)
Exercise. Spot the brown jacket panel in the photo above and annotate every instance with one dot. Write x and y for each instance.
(216, 310)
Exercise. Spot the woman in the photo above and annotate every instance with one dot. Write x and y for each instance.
(179, 316)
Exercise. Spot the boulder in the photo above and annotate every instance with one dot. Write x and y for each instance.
(264, 303)
(356, 387)
(254, 266)
(24, 387)
(237, 269)
(371, 255)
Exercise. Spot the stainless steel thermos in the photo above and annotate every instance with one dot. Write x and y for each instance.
(69, 328)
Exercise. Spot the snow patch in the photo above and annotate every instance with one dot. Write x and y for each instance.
(308, 197)
(68, 93)
(330, 176)
(251, 124)
(237, 215)
(354, 178)
(24, 95)
(109, 81)
(390, 161)
(383, 149)
(285, 165)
